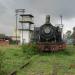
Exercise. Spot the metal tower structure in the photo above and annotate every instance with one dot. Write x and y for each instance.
(17, 11)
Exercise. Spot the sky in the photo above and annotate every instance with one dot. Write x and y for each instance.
(39, 8)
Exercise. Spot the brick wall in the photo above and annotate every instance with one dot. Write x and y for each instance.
(4, 42)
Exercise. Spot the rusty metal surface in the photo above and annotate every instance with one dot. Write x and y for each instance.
(42, 46)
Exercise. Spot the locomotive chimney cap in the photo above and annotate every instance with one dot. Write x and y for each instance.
(47, 19)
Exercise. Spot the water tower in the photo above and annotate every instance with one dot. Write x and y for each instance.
(26, 21)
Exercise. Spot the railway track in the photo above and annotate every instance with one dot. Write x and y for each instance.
(14, 72)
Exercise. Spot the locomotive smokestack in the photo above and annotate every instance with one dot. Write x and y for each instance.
(48, 19)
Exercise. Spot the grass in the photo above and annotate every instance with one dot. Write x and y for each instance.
(13, 58)
(57, 63)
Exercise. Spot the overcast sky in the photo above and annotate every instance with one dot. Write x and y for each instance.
(39, 8)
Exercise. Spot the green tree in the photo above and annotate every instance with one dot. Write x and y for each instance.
(73, 36)
(2, 35)
(68, 34)
(69, 37)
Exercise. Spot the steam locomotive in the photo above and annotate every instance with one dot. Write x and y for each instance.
(49, 37)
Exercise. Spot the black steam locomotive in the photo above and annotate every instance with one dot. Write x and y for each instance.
(49, 37)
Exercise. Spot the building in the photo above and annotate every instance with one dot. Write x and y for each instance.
(13, 38)
(26, 31)
(27, 35)
(4, 40)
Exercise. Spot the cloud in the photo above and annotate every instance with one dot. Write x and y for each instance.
(55, 7)
(39, 8)
(2, 9)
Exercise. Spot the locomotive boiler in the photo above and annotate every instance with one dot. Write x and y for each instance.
(49, 37)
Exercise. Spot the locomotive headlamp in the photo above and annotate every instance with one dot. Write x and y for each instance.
(47, 30)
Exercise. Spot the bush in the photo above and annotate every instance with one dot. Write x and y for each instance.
(29, 49)
(12, 42)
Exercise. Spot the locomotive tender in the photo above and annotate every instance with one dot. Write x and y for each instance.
(49, 37)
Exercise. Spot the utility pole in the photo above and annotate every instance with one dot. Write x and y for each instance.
(17, 11)
(16, 25)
